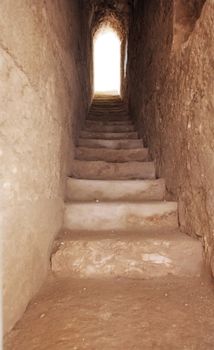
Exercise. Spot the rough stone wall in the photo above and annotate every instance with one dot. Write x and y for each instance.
(186, 13)
(42, 98)
(171, 90)
(112, 12)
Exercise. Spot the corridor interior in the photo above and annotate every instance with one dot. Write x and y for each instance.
(107, 164)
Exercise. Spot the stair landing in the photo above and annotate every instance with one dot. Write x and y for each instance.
(118, 314)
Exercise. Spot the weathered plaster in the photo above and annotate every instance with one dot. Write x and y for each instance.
(42, 99)
(171, 97)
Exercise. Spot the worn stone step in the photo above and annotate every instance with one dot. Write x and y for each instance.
(110, 98)
(108, 117)
(119, 111)
(99, 170)
(144, 255)
(103, 112)
(106, 113)
(113, 144)
(109, 105)
(106, 110)
(111, 155)
(108, 135)
(126, 216)
(108, 102)
(110, 190)
(108, 123)
(109, 128)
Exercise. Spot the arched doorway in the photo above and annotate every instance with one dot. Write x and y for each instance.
(107, 61)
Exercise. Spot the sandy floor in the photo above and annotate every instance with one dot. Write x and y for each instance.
(118, 314)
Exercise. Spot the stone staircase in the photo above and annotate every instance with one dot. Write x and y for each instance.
(117, 222)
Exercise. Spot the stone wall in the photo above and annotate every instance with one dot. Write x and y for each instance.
(42, 98)
(171, 94)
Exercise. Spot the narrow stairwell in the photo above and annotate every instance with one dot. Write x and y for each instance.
(123, 275)
(117, 220)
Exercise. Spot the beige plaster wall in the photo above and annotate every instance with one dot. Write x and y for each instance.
(42, 98)
(171, 89)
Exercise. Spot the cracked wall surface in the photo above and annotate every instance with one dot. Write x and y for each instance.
(42, 103)
(171, 89)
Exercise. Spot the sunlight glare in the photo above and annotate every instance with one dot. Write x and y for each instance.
(107, 57)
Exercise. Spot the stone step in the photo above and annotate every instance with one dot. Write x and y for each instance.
(108, 117)
(117, 216)
(113, 144)
(108, 135)
(105, 113)
(109, 104)
(109, 128)
(120, 190)
(109, 101)
(111, 155)
(110, 98)
(104, 110)
(99, 170)
(91, 122)
(140, 256)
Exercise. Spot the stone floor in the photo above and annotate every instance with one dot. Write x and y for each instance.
(124, 314)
